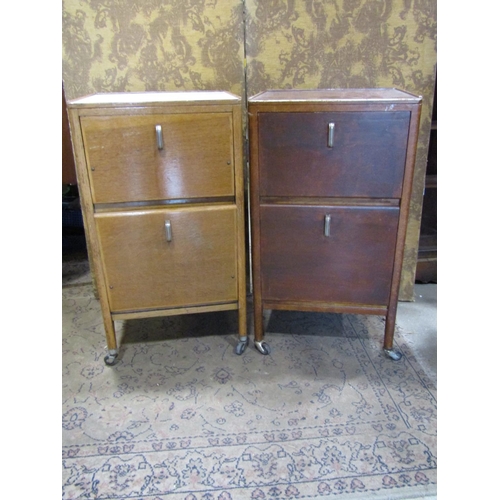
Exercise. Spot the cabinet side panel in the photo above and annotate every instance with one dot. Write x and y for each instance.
(95, 262)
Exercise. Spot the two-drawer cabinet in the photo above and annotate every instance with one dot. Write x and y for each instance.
(160, 177)
(330, 180)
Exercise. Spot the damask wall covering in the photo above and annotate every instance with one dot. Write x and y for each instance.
(135, 45)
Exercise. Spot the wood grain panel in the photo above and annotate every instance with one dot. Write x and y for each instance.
(352, 265)
(367, 157)
(145, 271)
(125, 163)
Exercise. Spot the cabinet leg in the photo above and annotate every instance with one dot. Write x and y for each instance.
(258, 322)
(242, 325)
(390, 325)
(259, 343)
(111, 357)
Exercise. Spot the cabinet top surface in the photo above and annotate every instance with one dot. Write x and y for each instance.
(153, 98)
(335, 95)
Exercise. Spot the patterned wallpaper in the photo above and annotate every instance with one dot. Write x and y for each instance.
(135, 45)
(335, 43)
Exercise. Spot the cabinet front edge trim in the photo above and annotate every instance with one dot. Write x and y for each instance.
(311, 200)
(324, 307)
(226, 306)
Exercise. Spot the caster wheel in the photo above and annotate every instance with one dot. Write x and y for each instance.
(263, 348)
(393, 354)
(240, 348)
(110, 359)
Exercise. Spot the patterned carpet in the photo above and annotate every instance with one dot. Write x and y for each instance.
(180, 416)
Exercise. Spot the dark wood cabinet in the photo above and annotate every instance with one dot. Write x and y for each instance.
(330, 182)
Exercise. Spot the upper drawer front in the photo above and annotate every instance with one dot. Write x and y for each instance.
(126, 163)
(361, 154)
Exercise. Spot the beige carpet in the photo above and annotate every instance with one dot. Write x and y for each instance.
(180, 416)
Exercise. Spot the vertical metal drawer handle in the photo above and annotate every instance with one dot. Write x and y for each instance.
(327, 225)
(159, 137)
(168, 230)
(331, 131)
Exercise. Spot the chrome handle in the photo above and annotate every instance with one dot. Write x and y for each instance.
(331, 131)
(168, 230)
(327, 225)
(159, 137)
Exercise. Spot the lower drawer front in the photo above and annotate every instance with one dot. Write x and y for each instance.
(144, 270)
(352, 265)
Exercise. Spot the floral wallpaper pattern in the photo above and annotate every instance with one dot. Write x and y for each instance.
(332, 44)
(247, 46)
(131, 45)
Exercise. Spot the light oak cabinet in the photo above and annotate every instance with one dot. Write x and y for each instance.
(330, 181)
(160, 176)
